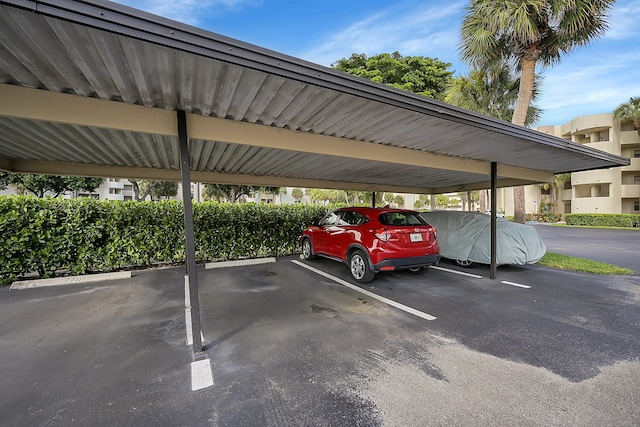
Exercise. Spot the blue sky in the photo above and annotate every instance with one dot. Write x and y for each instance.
(592, 79)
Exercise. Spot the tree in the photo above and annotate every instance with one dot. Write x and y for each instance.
(629, 111)
(442, 201)
(165, 189)
(54, 184)
(399, 201)
(554, 189)
(232, 193)
(325, 196)
(141, 188)
(422, 75)
(368, 195)
(524, 34)
(493, 94)
(297, 194)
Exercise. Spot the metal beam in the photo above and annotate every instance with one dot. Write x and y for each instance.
(192, 274)
(107, 171)
(44, 105)
(494, 221)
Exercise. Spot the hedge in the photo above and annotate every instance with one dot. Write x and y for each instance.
(603, 220)
(77, 236)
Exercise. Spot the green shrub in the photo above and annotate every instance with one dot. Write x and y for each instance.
(55, 236)
(603, 220)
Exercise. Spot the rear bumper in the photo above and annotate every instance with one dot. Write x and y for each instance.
(405, 263)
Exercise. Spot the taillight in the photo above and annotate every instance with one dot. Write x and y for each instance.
(381, 234)
(385, 236)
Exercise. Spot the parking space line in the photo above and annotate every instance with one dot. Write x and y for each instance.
(367, 293)
(201, 376)
(462, 273)
(516, 284)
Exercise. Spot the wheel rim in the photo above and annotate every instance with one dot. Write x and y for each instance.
(306, 249)
(357, 267)
(464, 262)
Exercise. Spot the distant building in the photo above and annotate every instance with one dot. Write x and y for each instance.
(614, 190)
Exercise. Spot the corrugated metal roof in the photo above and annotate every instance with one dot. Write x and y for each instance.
(107, 51)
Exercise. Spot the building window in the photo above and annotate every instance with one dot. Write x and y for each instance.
(636, 153)
(636, 206)
(636, 179)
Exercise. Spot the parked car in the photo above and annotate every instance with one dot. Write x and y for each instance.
(465, 237)
(370, 240)
(498, 214)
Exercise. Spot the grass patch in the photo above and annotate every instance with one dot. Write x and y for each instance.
(559, 224)
(566, 262)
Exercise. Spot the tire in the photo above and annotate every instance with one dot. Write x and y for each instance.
(359, 267)
(307, 249)
(465, 263)
(417, 270)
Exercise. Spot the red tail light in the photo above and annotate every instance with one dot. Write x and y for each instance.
(381, 234)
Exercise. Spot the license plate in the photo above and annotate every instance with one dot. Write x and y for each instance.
(416, 237)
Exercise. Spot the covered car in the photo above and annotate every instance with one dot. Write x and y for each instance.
(466, 238)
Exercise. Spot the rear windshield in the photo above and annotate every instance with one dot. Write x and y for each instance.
(401, 218)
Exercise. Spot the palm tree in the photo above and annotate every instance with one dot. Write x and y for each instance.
(629, 111)
(526, 33)
(491, 93)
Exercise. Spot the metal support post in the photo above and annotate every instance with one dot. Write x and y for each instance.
(494, 221)
(185, 171)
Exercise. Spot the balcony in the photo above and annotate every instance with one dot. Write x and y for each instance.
(111, 183)
(591, 123)
(634, 166)
(606, 146)
(629, 137)
(629, 191)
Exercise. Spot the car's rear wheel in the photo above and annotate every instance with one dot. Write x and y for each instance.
(417, 270)
(465, 263)
(307, 249)
(359, 267)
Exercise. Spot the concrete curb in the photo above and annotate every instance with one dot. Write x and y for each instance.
(239, 263)
(59, 281)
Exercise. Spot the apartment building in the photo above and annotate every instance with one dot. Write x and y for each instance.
(615, 190)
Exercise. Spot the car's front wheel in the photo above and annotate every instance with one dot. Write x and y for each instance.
(307, 249)
(359, 267)
(465, 263)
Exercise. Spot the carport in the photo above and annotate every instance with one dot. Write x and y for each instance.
(100, 89)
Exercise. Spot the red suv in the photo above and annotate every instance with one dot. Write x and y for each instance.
(371, 240)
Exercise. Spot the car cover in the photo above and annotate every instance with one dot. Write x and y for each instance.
(467, 236)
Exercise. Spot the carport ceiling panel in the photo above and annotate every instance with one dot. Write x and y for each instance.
(230, 159)
(45, 141)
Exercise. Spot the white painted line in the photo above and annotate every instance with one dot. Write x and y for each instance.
(516, 284)
(188, 324)
(462, 273)
(239, 263)
(58, 281)
(367, 293)
(201, 376)
(187, 292)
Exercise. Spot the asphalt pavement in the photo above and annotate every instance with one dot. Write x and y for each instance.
(619, 247)
(288, 346)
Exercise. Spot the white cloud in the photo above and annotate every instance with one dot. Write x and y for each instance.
(420, 30)
(589, 84)
(623, 23)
